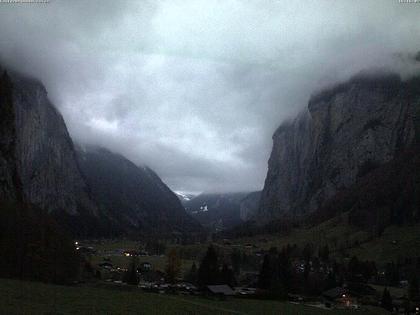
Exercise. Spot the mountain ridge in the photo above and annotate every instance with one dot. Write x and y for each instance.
(134, 197)
(39, 161)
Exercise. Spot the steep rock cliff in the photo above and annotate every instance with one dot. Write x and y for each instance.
(10, 186)
(346, 132)
(38, 165)
(33, 246)
(249, 206)
(46, 160)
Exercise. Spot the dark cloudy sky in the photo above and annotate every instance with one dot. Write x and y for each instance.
(193, 88)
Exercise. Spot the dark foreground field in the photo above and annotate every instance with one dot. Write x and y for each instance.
(18, 297)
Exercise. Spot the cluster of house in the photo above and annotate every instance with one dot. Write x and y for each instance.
(85, 250)
(134, 253)
(162, 287)
(154, 281)
(221, 291)
(347, 297)
(353, 295)
(143, 268)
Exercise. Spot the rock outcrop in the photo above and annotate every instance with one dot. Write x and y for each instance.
(346, 132)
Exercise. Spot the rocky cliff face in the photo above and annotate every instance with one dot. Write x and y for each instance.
(345, 133)
(10, 186)
(46, 160)
(134, 198)
(249, 206)
(37, 160)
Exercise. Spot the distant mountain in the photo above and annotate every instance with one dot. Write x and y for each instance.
(216, 211)
(134, 198)
(346, 132)
(184, 198)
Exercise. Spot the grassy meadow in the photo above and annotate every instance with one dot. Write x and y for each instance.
(19, 297)
(394, 243)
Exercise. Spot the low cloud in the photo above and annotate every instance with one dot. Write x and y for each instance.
(195, 89)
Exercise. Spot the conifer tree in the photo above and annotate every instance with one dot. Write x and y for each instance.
(264, 278)
(227, 276)
(208, 272)
(173, 266)
(285, 269)
(130, 276)
(324, 253)
(386, 300)
(191, 276)
(413, 289)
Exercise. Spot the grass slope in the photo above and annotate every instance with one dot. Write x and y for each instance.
(395, 241)
(18, 297)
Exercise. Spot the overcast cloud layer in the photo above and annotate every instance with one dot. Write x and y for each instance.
(195, 89)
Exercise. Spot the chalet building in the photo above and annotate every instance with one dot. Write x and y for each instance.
(220, 291)
(334, 293)
(131, 253)
(106, 265)
(243, 291)
(85, 250)
(154, 276)
(340, 297)
(144, 266)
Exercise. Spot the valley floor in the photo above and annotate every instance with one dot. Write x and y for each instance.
(19, 297)
(395, 243)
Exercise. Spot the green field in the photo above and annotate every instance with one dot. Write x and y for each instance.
(18, 297)
(395, 242)
(333, 232)
(158, 262)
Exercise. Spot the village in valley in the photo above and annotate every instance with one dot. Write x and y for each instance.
(306, 276)
(210, 157)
